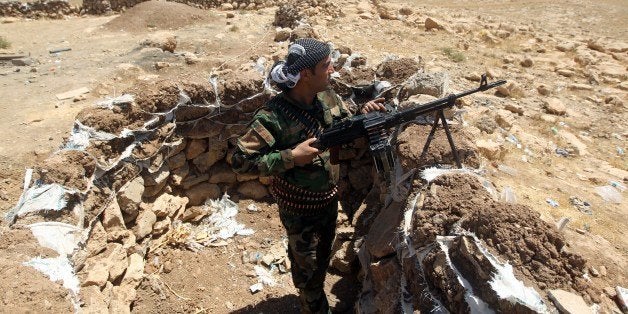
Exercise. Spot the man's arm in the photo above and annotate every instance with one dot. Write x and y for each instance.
(256, 151)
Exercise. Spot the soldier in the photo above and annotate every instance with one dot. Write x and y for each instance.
(278, 143)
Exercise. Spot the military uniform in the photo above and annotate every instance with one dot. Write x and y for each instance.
(306, 195)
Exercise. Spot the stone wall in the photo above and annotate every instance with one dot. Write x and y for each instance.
(55, 9)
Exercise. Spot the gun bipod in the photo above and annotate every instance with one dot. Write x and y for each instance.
(440, 115)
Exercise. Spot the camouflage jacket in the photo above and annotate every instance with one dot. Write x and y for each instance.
(265, 148)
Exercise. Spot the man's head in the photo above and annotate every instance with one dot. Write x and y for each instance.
(308, 64)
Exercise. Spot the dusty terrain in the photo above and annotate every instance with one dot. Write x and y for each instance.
(106, 57)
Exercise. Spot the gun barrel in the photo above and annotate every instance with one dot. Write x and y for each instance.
(441, 103)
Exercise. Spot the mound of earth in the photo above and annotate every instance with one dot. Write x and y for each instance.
(456, 204)
(25, 289)
(410, 146)
(158, 15)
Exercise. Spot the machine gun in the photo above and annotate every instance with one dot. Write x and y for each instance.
(374, 126)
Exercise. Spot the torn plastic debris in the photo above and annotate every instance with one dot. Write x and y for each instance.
(39, 197)
(476, 305)
(508, 195)
(221, 223)
(61, 237)
(617, 185)
(81, 135)
(110, 102)
(581, 205)
(507, 286)
(58, 268)
(609, 194)
(552, 202)
(252, 208)
(432, 173)
(622, 296)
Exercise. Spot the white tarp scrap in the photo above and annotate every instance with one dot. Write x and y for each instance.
(110, 102)
(57, 269)
(476, 304)
(221, 224)
(61, 237)
(82, 134)
(39, 197)
(507, 286)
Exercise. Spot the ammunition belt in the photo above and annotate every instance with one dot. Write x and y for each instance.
(299, 201)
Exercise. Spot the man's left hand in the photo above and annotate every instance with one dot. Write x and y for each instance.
(373, 105)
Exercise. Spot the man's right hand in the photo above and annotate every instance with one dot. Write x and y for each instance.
(304, 153)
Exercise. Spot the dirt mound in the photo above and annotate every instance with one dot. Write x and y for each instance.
(287, 15)
(158, 15)
(398, 70)
(114, 120)
(412, 139)
(456, 204)
(25, 289)
(69, 168)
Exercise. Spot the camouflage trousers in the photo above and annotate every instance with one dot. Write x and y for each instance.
(310, 240)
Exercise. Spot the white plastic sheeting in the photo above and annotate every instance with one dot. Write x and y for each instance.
(61, 237)
(39, 197)
(221, 224)
(503, 282)
(476, 305)
(57, 269)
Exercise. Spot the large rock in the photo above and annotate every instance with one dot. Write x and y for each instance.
(144, 224)
(195, 148)
(166, 42)
(96, 275)
(555, 106)
(112, 216)
(201, 192)
(116, 261)
(130, 197)
(489, 149)
(432, 23)
(97, 240)
(180, 174)
(222, 173)
(167, 205)
(94, 300)
(177, 161)
(135, 271)
(217, 150)
(158, 177)
(434, 84)
(253, 190)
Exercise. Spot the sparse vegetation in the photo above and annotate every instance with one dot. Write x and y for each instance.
(4, 43)
(453, 54)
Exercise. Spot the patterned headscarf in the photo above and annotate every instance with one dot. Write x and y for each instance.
(303, 53)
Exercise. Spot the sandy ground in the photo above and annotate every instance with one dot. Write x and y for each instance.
(34, 124)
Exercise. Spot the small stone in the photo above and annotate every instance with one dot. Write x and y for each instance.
(22, 62)
(610, 292)
(594, 272)
(603, 271)
(167, 267)
(527, 62)
(568, 302)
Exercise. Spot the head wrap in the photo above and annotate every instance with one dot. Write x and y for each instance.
(303, 53)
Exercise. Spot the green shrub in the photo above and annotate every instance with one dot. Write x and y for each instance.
(4, 44)
(453, 54)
